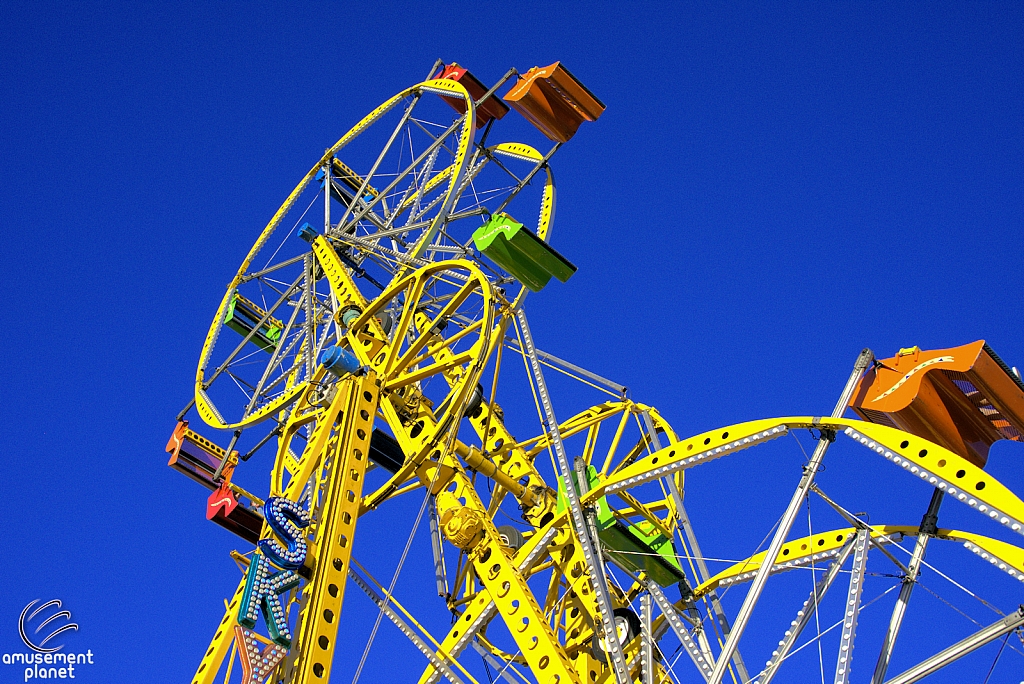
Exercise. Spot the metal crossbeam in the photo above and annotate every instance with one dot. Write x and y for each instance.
(494, 662)
(703, 574)
(646, 640)
(404, 627)
(579, 522)
(809, 471)
(562, 363)
(803, 616)
(373, 169)
(845, 658)
(676, 623)
(980, 638)
(925, 531)
(861, 525)
(436, 544)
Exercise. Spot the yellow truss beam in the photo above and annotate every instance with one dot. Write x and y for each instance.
(936, 465)
(333, 540)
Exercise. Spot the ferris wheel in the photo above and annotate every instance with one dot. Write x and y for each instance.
(374, 346)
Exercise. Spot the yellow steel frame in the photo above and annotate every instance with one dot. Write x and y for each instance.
(991, 498)
(515, 460)
(937, 465)
(820, 545)
(502, 582)
(371, 346)
(507, 587)
(333, 539)
(1007, 557)
(552, 636)
(446, 88)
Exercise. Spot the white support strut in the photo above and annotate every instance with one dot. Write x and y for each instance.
(404, 627)
(803, 616)
(579, 522)
(845, 657)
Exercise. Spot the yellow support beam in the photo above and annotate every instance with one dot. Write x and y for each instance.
(480, 609)
(468, 526)
(926, 460)
(799, 552)
(331, 550)
(220, 645)
(824, 545)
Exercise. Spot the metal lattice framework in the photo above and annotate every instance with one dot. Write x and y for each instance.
(365, 341)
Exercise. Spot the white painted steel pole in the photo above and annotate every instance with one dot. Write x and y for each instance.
(810, 470)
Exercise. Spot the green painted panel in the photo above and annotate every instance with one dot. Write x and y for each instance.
(516, 249)
(242, 317)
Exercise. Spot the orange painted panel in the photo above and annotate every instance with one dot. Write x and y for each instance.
(554, 101)
(963, 398)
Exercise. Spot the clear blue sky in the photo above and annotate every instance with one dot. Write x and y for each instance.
(771, 189)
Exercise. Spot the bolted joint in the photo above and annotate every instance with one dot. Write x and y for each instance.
(824, 433)
(930, 521)
(347, 314)
(930, 524)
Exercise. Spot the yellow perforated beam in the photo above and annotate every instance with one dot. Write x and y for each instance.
(342, 285)
(481, 609)
(547, 203)
(335, 533)
(824, 545)
(938, 466)
(220, 645)
(505, 584)
(799, 552)
(941, 468)
(698, 449)
(1006, 557)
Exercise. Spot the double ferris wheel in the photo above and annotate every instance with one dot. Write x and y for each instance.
(374, 346)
